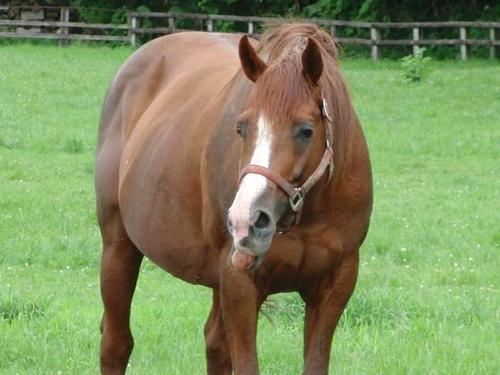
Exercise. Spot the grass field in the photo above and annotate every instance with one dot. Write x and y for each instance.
(427, 300)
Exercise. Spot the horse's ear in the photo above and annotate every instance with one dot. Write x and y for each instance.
(252, 65)
(312, 63)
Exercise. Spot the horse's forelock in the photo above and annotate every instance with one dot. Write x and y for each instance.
(281, 89)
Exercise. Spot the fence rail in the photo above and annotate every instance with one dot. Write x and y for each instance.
(131, 32)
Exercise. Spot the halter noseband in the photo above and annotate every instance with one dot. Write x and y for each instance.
(296, 195)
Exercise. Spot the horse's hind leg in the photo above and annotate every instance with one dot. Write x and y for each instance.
(218, 355)
(119, 269)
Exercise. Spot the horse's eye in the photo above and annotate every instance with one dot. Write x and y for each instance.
(240, 128)
(305, 132)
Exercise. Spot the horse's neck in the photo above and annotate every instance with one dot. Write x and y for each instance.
(237, 96)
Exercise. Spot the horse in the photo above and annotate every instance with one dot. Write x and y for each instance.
(239, 165)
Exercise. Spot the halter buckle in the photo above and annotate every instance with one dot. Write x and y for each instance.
(297, 199)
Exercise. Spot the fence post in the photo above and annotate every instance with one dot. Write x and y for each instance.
(333, 31)
(63, 31)
(416, 38)
(171, 25)
(463, 46)
(250, 28)
(375, 36)
(132, 26)
(210, 25)
(492, 46)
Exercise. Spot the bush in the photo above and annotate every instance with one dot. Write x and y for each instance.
(415, 68)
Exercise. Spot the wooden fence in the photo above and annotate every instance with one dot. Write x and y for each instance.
(131, 32)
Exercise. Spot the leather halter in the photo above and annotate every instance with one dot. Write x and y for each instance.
(296, 195)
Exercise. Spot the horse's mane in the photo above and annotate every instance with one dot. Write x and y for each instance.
(282, 45)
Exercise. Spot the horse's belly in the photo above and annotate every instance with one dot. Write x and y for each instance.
(164, 223)
(160, 193)
(160, 201)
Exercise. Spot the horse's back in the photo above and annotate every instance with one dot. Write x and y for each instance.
(156, 119)
(155, 66)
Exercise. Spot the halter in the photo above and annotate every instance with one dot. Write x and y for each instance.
(296, 195)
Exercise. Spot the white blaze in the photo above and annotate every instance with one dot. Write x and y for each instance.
(252, 185)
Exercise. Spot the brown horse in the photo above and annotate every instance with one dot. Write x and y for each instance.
(240, 166)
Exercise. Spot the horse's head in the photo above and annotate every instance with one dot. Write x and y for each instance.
(283, 139)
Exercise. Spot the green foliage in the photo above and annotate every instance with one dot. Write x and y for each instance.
(363, 10)
(415, 68)
(103, 11)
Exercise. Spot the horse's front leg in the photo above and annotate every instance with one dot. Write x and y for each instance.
(218, 356)
(240, 304)
(325, 303)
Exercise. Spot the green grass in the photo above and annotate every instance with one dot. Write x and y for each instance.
(427, 300)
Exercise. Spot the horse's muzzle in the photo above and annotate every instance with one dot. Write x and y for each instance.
(251, 238)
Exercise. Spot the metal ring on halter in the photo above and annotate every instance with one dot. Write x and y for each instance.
(297, 199)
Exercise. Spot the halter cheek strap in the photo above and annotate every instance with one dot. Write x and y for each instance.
(296, 195)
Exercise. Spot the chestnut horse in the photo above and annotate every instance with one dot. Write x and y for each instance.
(238, 165)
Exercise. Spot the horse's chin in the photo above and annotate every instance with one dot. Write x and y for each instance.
(243, 259)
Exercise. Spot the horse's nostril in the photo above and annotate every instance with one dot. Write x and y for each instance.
(244, 242)
(263, 220)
